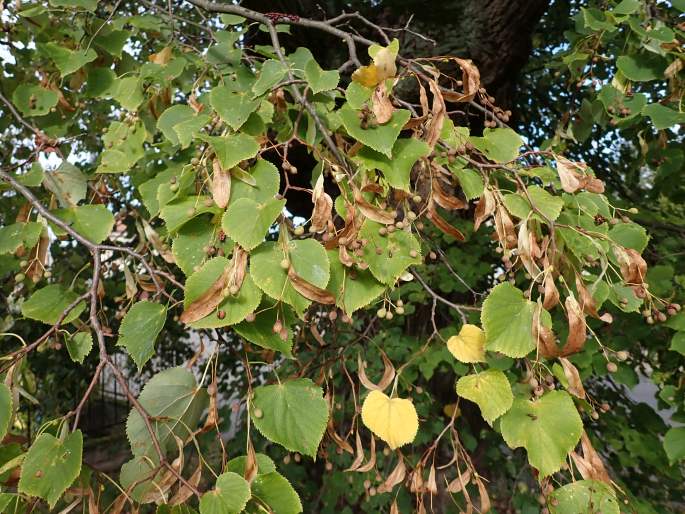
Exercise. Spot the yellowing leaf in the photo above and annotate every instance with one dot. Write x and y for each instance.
(383, 66)
(393, 420)
(469, 345)
(162, 57)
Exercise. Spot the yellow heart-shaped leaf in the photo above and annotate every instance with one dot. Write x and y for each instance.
(469, 345)
(394, 420)
(367, 76)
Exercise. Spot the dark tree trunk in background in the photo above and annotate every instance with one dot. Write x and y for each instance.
(496, 34)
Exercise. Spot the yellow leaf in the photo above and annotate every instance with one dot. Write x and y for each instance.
(162, 57)
(469, 345)
(367, 76)
(383, 66)
(393, 420)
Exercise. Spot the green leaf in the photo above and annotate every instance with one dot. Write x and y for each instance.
(5, 409)
(232, 19)
(233, 148)
(124, 147)
(94, 222)
(139, 329)
(112, 41)
(178, 213)
(18, 234)
(259, 331)
(271, 74)
(229, 496)
(274, 490)
(307, 257)
(395, 252)
(678, 343)
(583, 496)
(548, 428)
(128, 92)
(663, 117)
(266, 183)
(674, 444)
(627, 7)
(264, 464)
(139, 477)
(79, 346)
(68, 183)
(630, 235)
(247, 222)
(68, 61)
(490, 389)
(507, 319)
(397, 169)
(357, 95)
(51, 466)
(380, 137)
(174, 401)
(471, 182)
(100, 82)
(180, 123)
(353, 288)
(293, 414)
(498, 144)
(189, 245)
(33, 177)
(34, 100)
(318, 79)
(232, 104)
(519, 205)
(48, 304)
(88, 5)
(641, 68)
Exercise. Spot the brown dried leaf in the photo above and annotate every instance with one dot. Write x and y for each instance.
(484, 498)
(575, 384)
(309, 290)
(39, 257)
(381, 105)
(323, 207)
(371, 463)
(386, 379)
(551, 292)
(349, 231)
(458, 484)
(359, 458)
(504, 226)
(485, 208)
(184, 493)
(438, 112)
(394, 508)
(432, 484)
(209, 301)
(525, 249)
(345, 257)
(396, 476)
(221, 185)
(337, 439)
(153, 237)
(590, 465)
(374, 213)
(442, 224)
(162, 57)
(577, 328)
(445, 200)
(92, 503)
(546, 341)
(238, 268)
(570, 178)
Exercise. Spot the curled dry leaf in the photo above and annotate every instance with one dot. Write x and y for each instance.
(445, 200)
(577, 328)
(470, 77)
(527, 248)
(431, 484)
(438, 114)
(484, 498)
(633, 266)
(337, 439)
(350, 230)
(386, 379)
(238, 268)
(485, 208)
(573, 178)
(458, 484)
(546, 340)
(208, 301)
(162, 57)
(575, 384)
(371, 463)
(551, 293)
(251, 464)
(184, 493)
(323, 207)
(397, 475)
(372, 212)
(153, 237)
(381, 105)
(39, 257)
(442, 224)
(221, 185)
(345, 257)
(309, 290)
(359, 454)
(504, 226)
(587, 302)
(590, 465)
